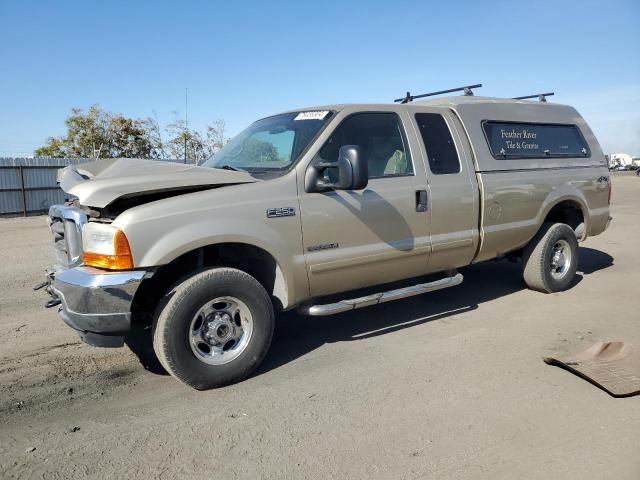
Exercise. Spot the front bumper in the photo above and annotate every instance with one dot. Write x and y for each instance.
(97, 303)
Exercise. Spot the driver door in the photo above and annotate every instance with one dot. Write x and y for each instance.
(355, 239)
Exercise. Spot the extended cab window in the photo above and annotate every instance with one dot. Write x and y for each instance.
(441, 151)
(511, 140)
(381, 138)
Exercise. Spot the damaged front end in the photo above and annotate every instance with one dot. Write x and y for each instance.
(94, 302)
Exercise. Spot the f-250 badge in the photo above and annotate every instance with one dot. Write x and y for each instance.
(281, 212)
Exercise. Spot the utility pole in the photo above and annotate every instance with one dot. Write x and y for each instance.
(186, 122)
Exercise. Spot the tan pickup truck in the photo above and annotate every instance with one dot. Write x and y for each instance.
(326, 210)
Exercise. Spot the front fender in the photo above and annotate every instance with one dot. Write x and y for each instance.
(162, 231)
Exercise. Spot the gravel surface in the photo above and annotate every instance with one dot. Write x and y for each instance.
(446, 385)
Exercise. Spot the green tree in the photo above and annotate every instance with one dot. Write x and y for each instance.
(99, 134)
(55, 148)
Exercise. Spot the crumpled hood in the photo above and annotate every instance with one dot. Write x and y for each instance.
(97, 184)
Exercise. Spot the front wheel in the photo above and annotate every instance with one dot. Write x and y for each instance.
(214, 328)
(551, 258)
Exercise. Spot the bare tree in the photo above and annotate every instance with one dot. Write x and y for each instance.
(192, 145)
(154, 137)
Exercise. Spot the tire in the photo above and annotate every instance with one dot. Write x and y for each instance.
(540, 270)
(206, 303)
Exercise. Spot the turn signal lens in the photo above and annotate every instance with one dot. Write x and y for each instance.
(106, 247)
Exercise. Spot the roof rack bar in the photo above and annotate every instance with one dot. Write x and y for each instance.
(540, 96)
(467, 91)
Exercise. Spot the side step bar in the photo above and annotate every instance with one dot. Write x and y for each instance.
(382, 297)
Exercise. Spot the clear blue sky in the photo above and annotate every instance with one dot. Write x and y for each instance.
(243, 60)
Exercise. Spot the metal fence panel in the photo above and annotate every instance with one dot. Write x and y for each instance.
(28, 185)
(10, 203)
(40, 177)
(41, 162)
(9, 178)
(41, 200)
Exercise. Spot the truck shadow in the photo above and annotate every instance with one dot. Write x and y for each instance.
(140, 342)
(296, 335)
(592, 260)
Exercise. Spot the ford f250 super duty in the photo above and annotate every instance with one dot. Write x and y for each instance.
(322, 209)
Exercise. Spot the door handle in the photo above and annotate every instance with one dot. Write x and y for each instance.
(421, 201)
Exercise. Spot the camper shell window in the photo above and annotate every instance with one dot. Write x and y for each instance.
(519, 140)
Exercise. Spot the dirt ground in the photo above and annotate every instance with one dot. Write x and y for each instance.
(446, 385)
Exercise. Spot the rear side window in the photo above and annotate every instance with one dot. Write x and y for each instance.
(441, 151)
(510, 140)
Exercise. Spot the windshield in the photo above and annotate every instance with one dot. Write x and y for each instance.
(272, 144)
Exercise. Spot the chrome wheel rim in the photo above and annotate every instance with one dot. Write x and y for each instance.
(560, 259)
(220, 330)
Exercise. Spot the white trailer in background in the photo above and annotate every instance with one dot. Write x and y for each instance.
(620, 161)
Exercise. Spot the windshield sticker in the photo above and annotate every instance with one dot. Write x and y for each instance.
(315, 115)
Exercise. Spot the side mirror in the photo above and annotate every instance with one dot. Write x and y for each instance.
(351, 169)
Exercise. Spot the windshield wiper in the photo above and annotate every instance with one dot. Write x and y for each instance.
(231, 167)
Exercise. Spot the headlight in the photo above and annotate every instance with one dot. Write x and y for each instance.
(105, 246)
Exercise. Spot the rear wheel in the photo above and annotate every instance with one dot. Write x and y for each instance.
(551, 258)
(214, 328)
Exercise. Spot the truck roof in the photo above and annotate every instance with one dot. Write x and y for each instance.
(474, 111)
(448, 101)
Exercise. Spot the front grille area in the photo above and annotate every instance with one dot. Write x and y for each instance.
(66, 227)
(59, 244)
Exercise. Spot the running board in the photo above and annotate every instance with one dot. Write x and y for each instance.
(382, 297)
